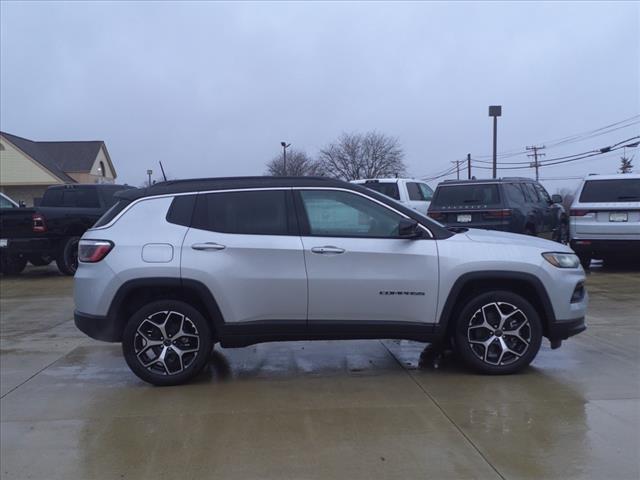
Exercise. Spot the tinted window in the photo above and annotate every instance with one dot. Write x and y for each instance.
(259, 212)
(514, 193)
(427, 193)
(542, 193)
(339, 214)
(414, 191)
(617, 190)
(467, 195)
(386, 188)
(71, 197)
(181, 210)
(111, 213)
(530, 192)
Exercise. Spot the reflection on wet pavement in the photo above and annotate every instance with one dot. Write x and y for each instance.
(70, 408)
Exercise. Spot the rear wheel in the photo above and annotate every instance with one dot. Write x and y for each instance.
(498, 333)
(12, 264)
(67, 258)
(167, 342)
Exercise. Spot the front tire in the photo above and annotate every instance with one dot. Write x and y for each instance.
(12, 264)
(167, 342)
(498, 333)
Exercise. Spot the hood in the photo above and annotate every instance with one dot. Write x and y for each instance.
(493, 236)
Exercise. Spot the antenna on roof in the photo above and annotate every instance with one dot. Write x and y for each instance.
(161, 168)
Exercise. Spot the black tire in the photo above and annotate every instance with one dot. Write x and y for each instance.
(522, 318)
(146, 360)
(12, 264)
(585, 261)
(67, 258)
(40, 260)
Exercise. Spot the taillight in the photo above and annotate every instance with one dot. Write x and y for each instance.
(39, 223)
(578, 213)
(437, 215)
(92, 251)
(497, 214)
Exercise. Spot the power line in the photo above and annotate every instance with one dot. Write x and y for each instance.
(535, 155)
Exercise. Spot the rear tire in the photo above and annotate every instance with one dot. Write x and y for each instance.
(167, 342)
(498, 333)
(67, 258)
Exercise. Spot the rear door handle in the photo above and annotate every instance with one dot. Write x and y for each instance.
(208, 246)
(327, 249)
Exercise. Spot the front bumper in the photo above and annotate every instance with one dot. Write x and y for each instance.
(97, 326)
(563, 329)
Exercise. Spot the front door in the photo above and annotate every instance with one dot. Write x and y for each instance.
(358, 267)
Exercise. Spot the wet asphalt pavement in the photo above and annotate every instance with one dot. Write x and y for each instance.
(71, 409)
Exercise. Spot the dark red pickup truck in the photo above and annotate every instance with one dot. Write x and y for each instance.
(51, 231)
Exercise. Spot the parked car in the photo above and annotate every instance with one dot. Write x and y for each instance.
(6, 202)
(518, 205)
(413, 193)
(174, 268)
(52, 230)
(605, 218)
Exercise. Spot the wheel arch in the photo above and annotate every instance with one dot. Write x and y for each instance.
(134, 294)
(473, 283)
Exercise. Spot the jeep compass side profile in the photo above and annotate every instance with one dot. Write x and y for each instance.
(174, 268)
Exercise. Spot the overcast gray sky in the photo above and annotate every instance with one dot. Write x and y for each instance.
(212, 88)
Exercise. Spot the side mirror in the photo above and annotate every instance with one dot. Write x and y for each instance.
(408, 228)
(556, 198)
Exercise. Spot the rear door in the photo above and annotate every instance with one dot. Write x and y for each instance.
(244, 246)
(358, 268)
(607, 209)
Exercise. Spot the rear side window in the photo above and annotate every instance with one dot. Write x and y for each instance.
(258, 212)
(111, 213)
(514, 193)
(181, 210)
(616, 190)
(71, 197)
(470, 195)
(390, 189)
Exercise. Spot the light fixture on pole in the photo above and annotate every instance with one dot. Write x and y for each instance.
(495, 111)
(285, 145)
(149, 173)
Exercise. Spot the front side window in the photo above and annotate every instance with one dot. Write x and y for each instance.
(333, 213)
(542, 193)
(531, 193)
(414, 191)
(261, 212)
(514, 193)
(427, 193)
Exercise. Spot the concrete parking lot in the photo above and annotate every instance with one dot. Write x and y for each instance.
(71, 409)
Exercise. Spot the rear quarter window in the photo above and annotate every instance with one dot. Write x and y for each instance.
(110, 214)
(615, 190)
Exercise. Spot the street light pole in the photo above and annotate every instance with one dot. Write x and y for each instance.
(285, 145)
(495, 111)
(149, 172)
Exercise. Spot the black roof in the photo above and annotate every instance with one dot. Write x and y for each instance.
(223, 183)
(490, 180)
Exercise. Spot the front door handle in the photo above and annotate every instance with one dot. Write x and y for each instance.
(327, 249)
(207, 246)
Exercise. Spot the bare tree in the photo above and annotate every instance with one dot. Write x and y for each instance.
(298, 165)
(625, 164)
(370, 155)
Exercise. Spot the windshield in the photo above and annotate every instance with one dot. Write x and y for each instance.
(389, 189)
(466, 196)
(616, 190)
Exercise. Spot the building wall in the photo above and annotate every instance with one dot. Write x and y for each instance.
(26, 194)
(18, 169)
(95, 175)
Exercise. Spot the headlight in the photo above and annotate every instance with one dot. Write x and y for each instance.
(562, 260)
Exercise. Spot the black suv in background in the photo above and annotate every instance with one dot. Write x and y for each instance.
(518, 205)
(51, 231)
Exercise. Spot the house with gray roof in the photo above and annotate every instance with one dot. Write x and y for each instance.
(28, 167)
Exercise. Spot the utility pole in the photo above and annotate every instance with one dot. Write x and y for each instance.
(285, 145)
(457, 162)
(535, 164)
(495, 111)
(468, 166)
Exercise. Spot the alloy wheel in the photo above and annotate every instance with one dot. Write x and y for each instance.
(166, 342)
(499, 333)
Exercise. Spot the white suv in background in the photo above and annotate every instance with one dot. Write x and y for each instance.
(174, 268)
(413, 193)
(605, 218)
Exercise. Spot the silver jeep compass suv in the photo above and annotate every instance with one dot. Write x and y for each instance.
(174, 268)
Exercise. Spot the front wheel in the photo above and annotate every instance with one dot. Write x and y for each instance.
(167, 342)
(498, 333)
